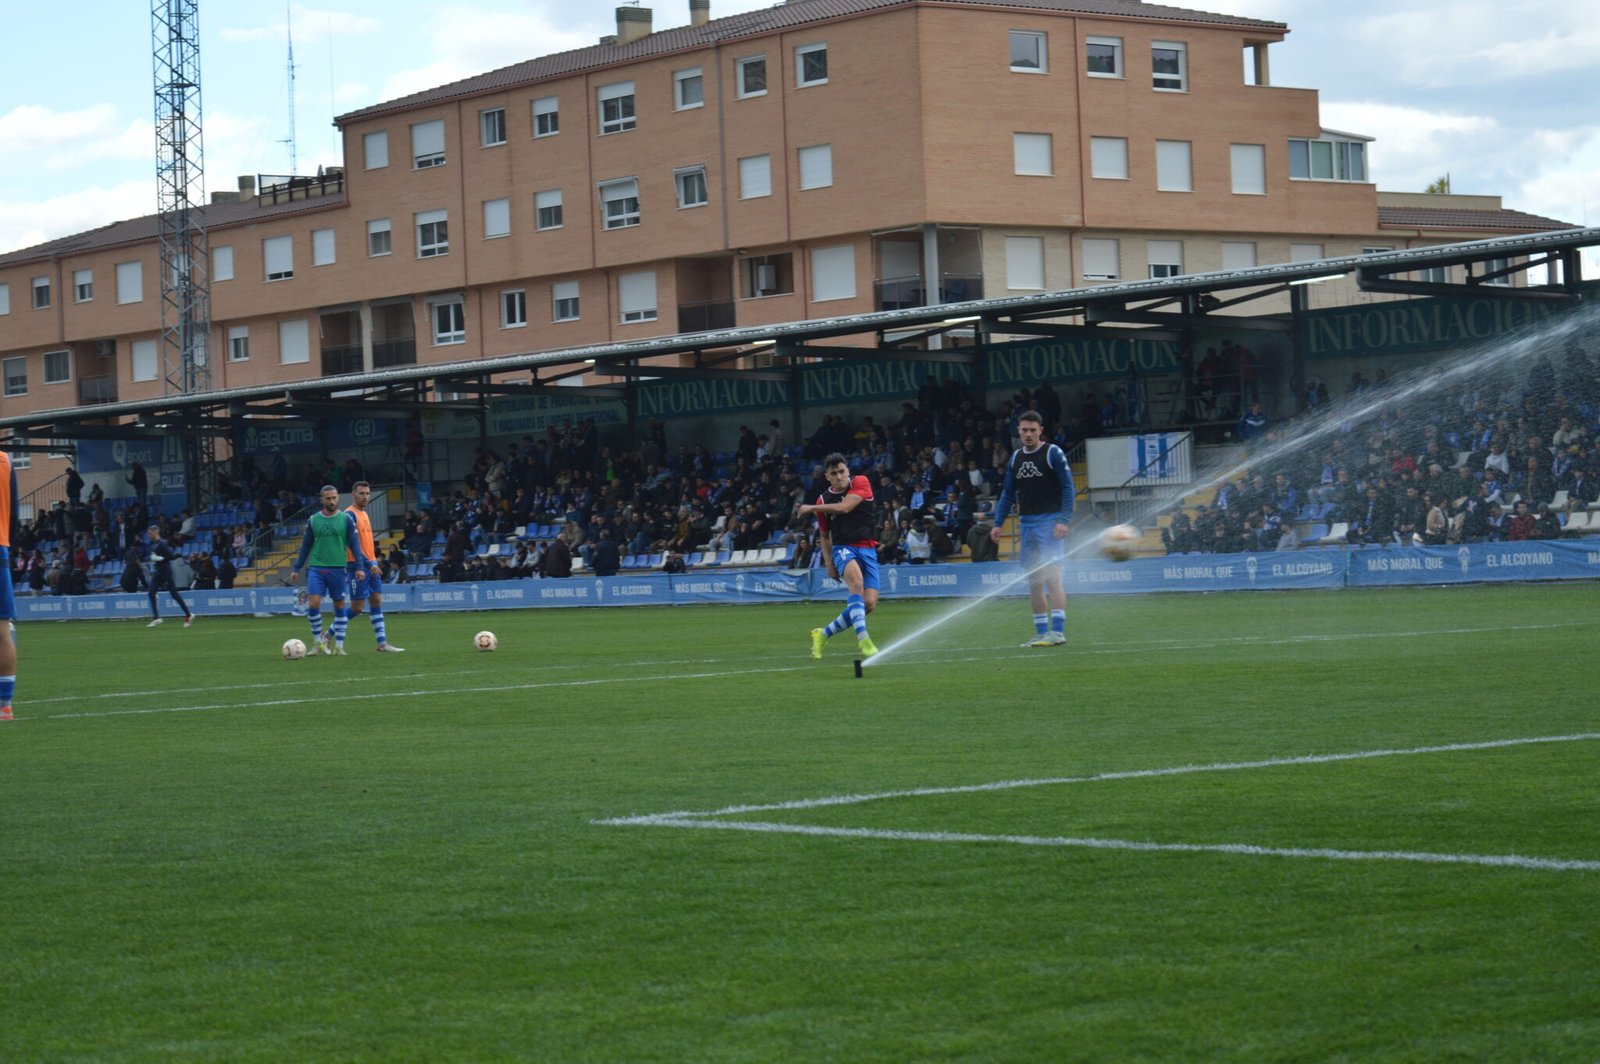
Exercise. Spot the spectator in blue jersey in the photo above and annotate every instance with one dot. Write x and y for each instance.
(161, 555)
(1039, 483)
(847, 538)
(1254, 422)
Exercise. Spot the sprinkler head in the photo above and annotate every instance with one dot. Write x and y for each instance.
(858, 668)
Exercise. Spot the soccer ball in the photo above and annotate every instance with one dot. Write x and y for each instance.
(1117, 542)
(293, 650)
(485, 641)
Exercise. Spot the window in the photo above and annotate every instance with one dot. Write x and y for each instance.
(1238, 255)
(5, 299)
(1172, 166)
(427, 144)
(833, 273)
(564, 301)
(433, 234)
(375, 149)
(1169, 66)
(496, 218)
(1025, 263)
(1031, 154)
(277, 257)
(1249, 165)
(547, 205)
(1327, 159)
(816, 166)
(810, 65)
(1108, 158)
(492, 124)
(616, 107)
(130, 282)
(1103, 57)
(16, 374)
(766, 275)
(41, 293)
(322, 247)
(1375, 250)
(449, 321)
(380, 238)
(513, 308)
(1491, 266)
(755, 176)
(82, 286)
(619, 203)
(546, 117)
(1435, 274)
(1028, 52)
(142, 360)
(57, 367)
(1165, 257)
(22, 460)
(750, 76)
(1305, 252)
(688, 89)
(294, 342)
(691, 182)
(222, 263)
(238, 343)
(1100, 260)
(636, 296)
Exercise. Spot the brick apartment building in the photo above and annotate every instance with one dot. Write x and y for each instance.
(814, 159)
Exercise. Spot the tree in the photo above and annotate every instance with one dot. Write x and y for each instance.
(1441, 186)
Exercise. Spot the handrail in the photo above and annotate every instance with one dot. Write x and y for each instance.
(1156, 460)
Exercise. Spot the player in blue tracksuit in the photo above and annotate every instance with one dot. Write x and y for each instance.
(1039, 482)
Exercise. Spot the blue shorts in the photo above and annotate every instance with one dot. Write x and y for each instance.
(363, 584)
(8, 601)
(866, 557)
(326, 582)
(1036, 537)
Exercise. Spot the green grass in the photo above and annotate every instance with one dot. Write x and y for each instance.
(210, 854)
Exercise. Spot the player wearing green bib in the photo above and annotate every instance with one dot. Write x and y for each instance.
(329, 534)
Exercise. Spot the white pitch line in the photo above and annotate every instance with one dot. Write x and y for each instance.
(1546, 864)
(1100, 777)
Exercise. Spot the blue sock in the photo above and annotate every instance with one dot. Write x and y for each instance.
(341, 624)
(376, 616)
(857, 610)
(1058, 621)
(315, 617)
(8, 687)
(1041, 623)
(838, 624)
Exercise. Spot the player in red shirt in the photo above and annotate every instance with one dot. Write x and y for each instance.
(847, 538)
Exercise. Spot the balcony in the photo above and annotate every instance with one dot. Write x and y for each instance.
(337, 360)
(281, 188)
(95, 390)
(900, 293)
(386, 353)
(703, 317)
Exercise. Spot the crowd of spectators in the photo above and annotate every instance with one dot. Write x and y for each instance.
(935, 469)
(1503, 456)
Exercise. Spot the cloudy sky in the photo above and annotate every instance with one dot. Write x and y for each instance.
(1498, 93)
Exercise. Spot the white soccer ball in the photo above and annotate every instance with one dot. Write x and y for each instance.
(485, 641)
(293, 650)
(1117, 542)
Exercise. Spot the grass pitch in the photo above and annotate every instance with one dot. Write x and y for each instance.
(547, 853)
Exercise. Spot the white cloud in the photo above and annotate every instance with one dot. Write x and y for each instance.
(308, 23)
(24, 223)
(65, 140)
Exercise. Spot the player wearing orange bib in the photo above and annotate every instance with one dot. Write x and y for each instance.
(366, 585)
(8, 604)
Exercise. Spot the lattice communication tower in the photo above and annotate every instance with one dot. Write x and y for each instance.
(185, 250)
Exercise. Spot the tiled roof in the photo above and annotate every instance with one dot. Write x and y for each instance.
(1455, 218)
(767, 20)
(144, 230)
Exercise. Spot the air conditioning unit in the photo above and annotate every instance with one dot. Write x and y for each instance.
(105, 348)
(766, 279)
